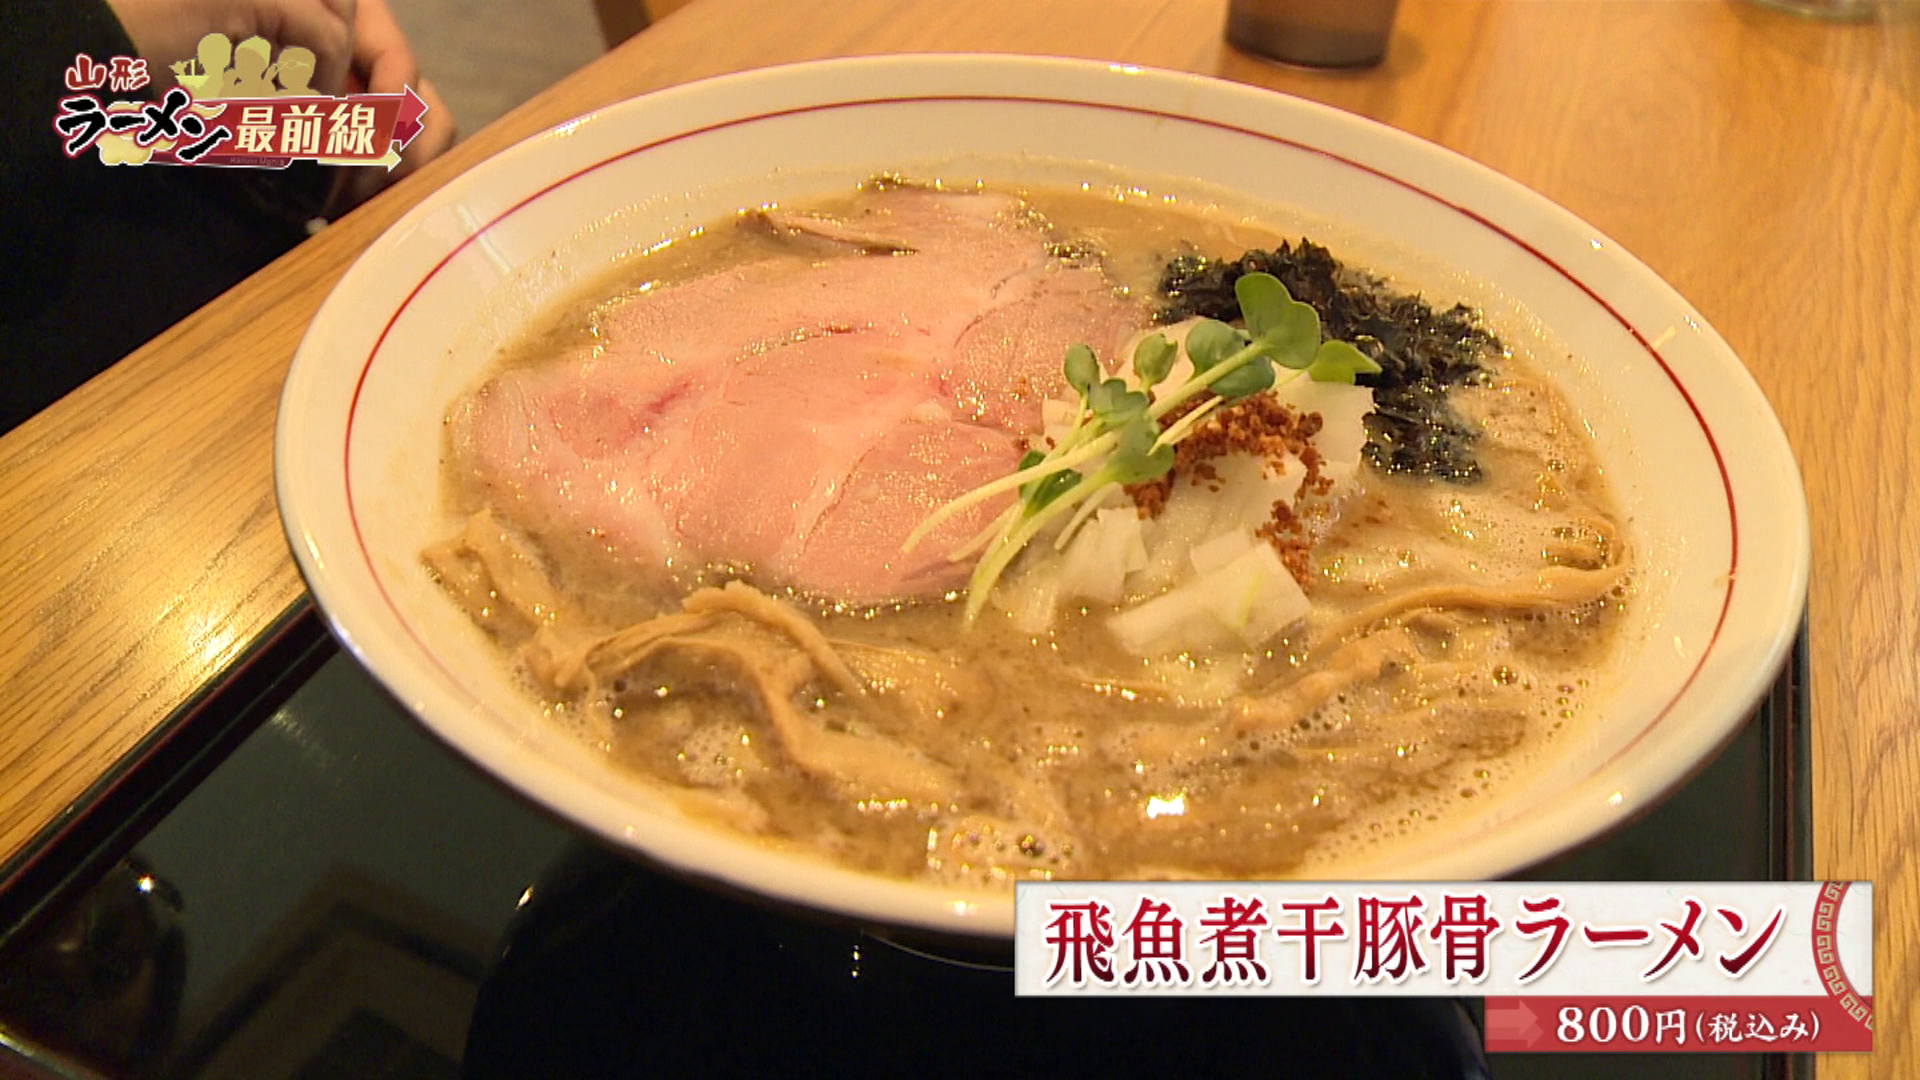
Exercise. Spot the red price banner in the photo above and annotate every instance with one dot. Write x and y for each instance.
(1713, 1025)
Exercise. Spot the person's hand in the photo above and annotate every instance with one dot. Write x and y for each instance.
(166, 31)
(382, 58)
(357, 46)
(384, 64)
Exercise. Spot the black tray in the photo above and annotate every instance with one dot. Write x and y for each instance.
(294, 879)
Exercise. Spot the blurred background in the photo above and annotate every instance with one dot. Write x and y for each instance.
(488, 56)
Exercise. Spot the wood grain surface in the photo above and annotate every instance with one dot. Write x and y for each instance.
(1767, 165)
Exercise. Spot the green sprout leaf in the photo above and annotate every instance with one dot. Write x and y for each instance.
(1051, 488)
(1138, 457)
(1289, 327)
(1083, 368)
(1264, 303)
(1249, 379)
(1339, 362)
(1153, 359)
(1114, 404)
(1027, 461)
(1210, 342)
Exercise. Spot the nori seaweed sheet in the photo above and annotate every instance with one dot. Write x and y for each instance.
(1422, 353)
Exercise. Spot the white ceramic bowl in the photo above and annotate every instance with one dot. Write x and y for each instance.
(1695, 453)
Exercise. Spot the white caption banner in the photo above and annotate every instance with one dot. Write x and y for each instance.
(1782, 939)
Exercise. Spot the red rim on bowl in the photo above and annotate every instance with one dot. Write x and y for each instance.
(332, 448)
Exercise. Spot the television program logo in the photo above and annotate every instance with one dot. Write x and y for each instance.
(233, 106)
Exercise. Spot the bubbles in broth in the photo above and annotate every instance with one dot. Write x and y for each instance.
(683, 503)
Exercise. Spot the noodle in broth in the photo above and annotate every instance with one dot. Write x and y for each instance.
(1453, 627)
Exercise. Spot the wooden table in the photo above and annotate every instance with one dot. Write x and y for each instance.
(1766, 165)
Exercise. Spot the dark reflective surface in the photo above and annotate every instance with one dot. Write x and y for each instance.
(619, 972)
(343, 897)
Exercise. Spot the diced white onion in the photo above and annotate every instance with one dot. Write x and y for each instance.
(1342, 408)
(1242, 604)
(1105, 550)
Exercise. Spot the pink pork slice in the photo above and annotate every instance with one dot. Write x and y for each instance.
(798, 418)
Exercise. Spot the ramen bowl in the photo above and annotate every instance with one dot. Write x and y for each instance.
(1695, 457)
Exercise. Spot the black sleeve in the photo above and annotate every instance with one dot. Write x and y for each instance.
(100, 258)
(40, 38)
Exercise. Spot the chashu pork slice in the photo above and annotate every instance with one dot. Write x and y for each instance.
(798, 417)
